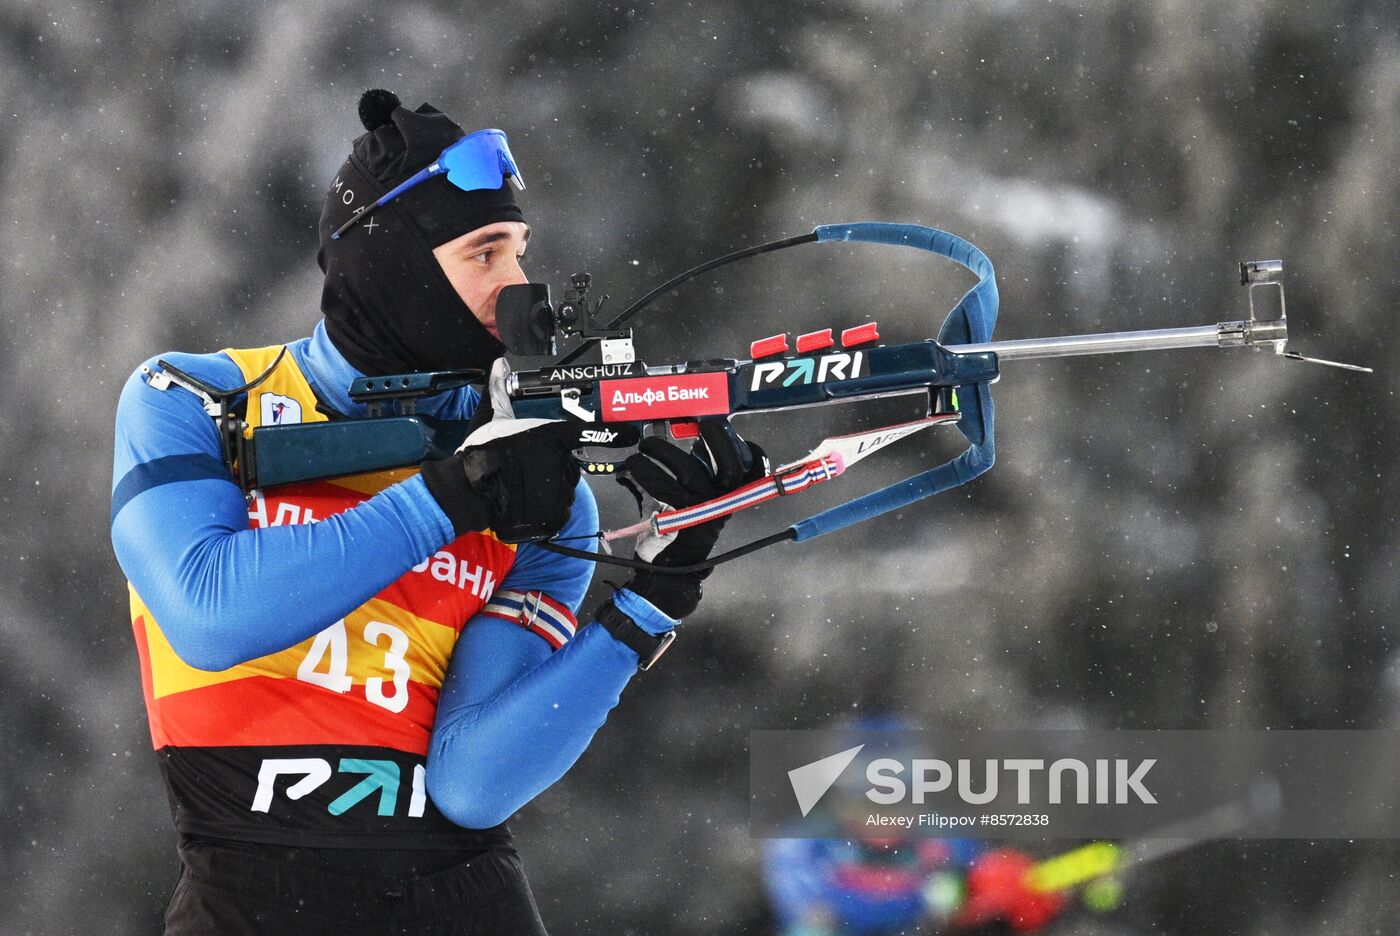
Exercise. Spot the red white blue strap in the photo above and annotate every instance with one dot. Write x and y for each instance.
(829, 459)
(536, 612)
(751, 495)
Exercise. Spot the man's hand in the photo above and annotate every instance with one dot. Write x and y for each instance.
(513, 476)
(674, 479)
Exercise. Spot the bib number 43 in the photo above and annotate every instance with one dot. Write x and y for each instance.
(327, 663)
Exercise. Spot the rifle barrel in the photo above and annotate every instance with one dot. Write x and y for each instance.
(1223, 334)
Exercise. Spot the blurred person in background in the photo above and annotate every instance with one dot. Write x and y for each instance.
(861, 885)
(850, 882)
(868, 885)
(351, 684)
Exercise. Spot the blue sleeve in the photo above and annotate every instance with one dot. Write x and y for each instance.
(496, 656)
(514, 715)
(563, 578)
(223, 593)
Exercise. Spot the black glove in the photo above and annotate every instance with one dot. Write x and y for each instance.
(517, 479)
(677, 479)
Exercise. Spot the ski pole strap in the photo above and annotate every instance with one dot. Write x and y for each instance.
(751, 495)
(971, 321)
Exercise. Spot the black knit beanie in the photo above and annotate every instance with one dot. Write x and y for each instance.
(389, 307)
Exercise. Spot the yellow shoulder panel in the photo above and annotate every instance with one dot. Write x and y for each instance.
(285, 397)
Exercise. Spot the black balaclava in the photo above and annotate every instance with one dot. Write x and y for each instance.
(389, 307)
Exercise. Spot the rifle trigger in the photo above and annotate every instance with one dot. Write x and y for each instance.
(683, 429)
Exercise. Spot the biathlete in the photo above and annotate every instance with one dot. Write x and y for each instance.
(353, 683)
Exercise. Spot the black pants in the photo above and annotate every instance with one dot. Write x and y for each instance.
(224, 892)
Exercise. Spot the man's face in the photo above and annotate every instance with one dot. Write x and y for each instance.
(480, 263)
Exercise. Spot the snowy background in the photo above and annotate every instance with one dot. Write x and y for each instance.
(1188, 540)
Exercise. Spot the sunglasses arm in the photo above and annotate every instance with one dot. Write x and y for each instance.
(421, 175)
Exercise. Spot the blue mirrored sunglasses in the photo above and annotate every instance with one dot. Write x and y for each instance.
(480, 160)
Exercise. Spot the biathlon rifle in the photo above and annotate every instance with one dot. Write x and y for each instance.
(953, 372)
